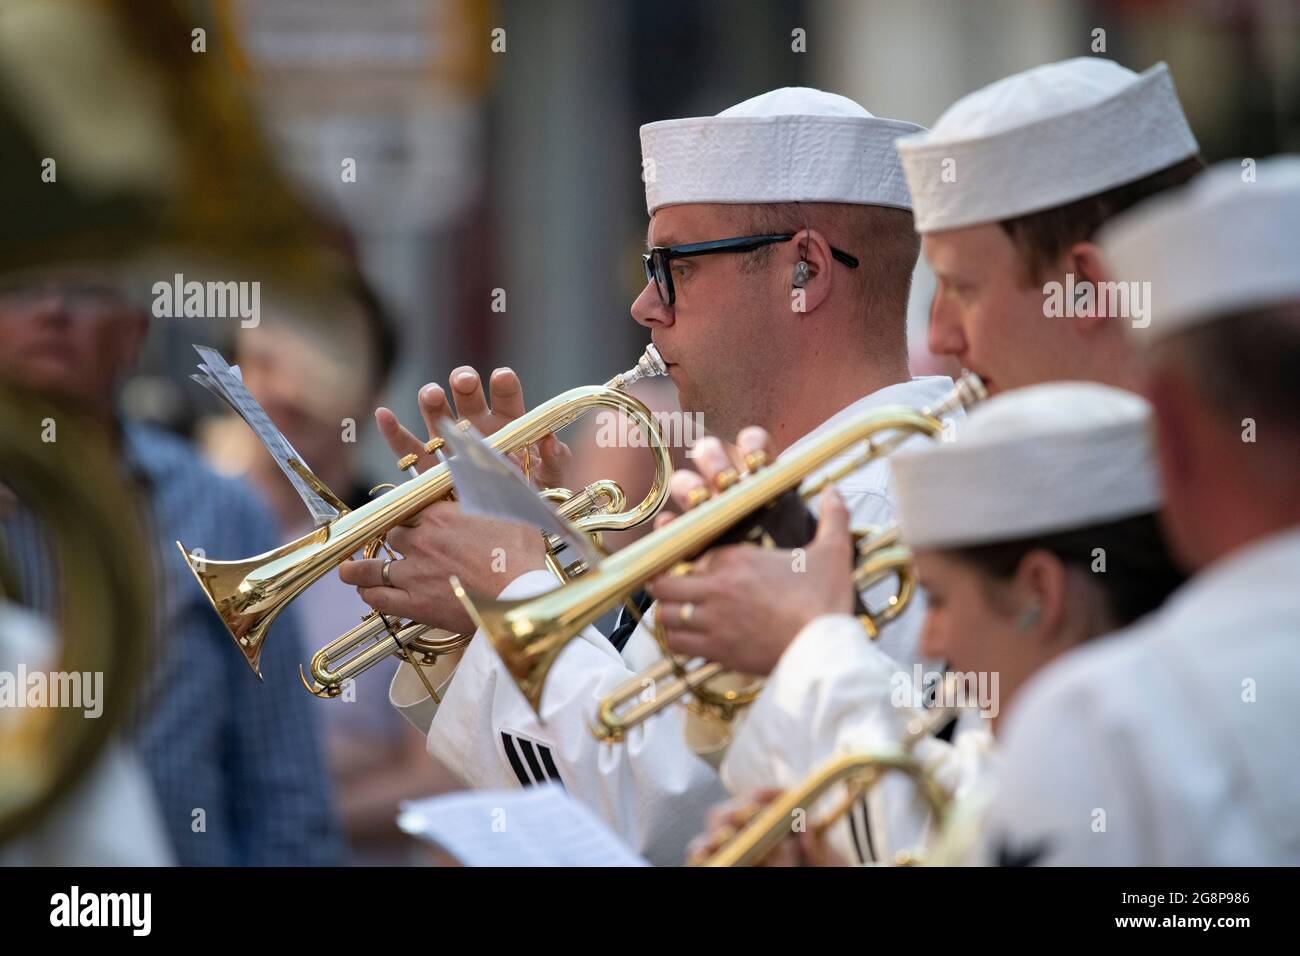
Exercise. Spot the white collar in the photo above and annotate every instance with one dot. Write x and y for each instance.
(1260, 576)
(923, 391)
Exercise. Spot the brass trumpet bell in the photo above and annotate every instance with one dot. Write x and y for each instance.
(379, 636)
(249, 594)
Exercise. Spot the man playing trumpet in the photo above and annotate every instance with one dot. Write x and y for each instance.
(781, 252)
(1007, 525)
(1009, 190)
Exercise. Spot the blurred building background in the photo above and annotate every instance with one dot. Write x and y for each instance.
(497, 161)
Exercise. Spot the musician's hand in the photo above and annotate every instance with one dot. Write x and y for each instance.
(742, 605)
(439, 542)
(711, 458)
(804, 848)
(548, 459)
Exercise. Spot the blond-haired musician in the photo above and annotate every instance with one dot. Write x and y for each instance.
(1033, 533)
(1009, 189)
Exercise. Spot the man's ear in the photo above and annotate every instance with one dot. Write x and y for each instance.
(810, 247)
(1084, 260)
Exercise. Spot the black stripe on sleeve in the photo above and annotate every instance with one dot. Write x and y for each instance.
(551, 770)
(515, 763)
(530, 754)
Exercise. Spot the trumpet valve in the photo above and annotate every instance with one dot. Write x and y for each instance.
(431, 447)
(697, 496)
(726, 479)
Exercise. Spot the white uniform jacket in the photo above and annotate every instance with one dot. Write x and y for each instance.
(837, 692)
(1173, 743)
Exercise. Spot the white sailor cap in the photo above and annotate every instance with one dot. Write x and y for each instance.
(1044, 138)
(788, 145)
(1037, 460)
(1226, 242)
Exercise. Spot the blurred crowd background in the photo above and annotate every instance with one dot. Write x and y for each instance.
(423, 184)
(519, 169)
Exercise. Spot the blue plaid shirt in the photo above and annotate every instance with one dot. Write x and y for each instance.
(237, 765)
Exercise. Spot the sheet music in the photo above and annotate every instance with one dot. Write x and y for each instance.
(225, 382)
(536, 826)
(489, 484)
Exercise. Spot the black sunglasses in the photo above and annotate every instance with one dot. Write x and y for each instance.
(657, 260)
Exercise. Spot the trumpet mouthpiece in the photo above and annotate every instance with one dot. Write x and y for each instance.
(649, 365)
(968, 390)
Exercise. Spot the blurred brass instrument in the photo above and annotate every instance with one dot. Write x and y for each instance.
(859, 772)
(529, 634)
(103, 617)
(249, 594)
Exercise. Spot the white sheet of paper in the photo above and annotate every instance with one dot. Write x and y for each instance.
(489, 484)
(226, 383)
(535, 826)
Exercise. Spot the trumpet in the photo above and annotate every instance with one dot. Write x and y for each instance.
(249, 594)
(879, 558)
(860, 771)
(378, 636)
(529, 634)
